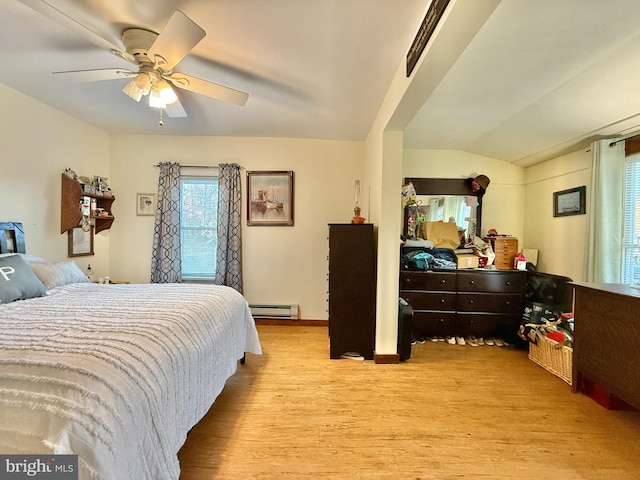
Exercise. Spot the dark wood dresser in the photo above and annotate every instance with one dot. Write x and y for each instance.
(483, 303)
(606, 348)
(352, 289)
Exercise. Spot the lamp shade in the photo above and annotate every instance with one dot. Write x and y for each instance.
(167, 94)
(155, 100)
(133, 90)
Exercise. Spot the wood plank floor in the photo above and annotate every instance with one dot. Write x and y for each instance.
(449, 412)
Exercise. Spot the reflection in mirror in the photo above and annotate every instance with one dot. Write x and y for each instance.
(460, 209)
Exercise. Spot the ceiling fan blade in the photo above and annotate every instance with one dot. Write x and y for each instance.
(65, 20)
(176, 39)
(176, 110)
(97, 75)
(209, 89)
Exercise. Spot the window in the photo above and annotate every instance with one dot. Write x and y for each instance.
(631, 229)
(198, 226)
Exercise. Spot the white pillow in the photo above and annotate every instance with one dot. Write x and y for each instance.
(58, 274)
(26, 257)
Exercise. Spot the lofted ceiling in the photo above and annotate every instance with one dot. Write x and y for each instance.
(539, 78)
(312, 68)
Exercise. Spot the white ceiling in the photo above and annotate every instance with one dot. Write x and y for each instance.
(312, 68)
(541, 77)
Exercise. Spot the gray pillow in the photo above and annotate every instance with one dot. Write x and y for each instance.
(59, 273)
(17, 280)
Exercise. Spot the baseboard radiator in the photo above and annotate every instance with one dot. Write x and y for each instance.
(272, 310)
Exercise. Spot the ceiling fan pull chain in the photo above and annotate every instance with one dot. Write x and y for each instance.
(161, 122)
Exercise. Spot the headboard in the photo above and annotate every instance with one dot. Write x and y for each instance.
(11, 237)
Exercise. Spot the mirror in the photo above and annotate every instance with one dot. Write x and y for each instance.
(439, 199)
(450, 208)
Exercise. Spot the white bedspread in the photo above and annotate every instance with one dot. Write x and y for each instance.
(117, 374)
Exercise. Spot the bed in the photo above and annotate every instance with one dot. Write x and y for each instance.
(117, 374)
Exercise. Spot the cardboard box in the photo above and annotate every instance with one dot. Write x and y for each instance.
(467, 260)
(442, 234)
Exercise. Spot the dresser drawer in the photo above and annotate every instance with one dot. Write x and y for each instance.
(489, 302)
(487, 281)
(433, 324)
(430, 300)
(486, 324)
(445, 281)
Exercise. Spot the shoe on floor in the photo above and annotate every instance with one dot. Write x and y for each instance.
(434, 339)
(471, 341)
(490, 341)
(460, 341)
(441, 339)
(499, 342)
(451, 340)
(480, 341)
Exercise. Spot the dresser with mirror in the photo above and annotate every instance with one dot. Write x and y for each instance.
(460, 302)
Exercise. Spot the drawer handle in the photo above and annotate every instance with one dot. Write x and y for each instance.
(507, 303)
(443, 281)
(508, 283)
(442, 300)
(407, 280)
(441, 320)
(471, 282)
(470, 302)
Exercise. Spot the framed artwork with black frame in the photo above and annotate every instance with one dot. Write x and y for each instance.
(270, 198)
(80, 242)
(570, 202)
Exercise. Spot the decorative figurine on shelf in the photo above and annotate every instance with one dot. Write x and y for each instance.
(357, 218)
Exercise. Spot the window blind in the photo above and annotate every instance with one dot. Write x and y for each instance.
(631, 225)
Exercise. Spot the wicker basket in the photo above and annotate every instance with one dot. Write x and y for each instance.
(551, 357)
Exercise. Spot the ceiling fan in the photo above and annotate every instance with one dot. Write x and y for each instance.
(154, 55)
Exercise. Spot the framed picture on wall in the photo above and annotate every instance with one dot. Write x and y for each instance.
(80, 242)
(146, 204)
(570, 202)
(270, 198)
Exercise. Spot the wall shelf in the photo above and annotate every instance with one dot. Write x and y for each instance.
(70, 215)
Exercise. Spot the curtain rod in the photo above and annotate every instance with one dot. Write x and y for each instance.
(191, 166)
(623, 139)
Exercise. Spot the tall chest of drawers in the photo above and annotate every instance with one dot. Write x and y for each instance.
(352, 289)
(464, 302)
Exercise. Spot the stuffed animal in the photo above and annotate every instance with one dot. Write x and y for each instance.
(70, 173)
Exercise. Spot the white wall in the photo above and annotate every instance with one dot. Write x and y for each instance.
(560, 240)
(503, 203)
(280, 264)
(37, 143)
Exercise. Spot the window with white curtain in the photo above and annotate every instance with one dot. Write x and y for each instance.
(198, 226)
(631, 230)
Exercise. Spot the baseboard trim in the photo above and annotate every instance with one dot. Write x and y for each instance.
(292, 323)
(386, 358)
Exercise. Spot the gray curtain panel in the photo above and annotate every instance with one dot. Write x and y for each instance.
(228, 256)
(166, 261)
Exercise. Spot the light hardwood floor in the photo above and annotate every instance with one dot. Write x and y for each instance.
(449, 412)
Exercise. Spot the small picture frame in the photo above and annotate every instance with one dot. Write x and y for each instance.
(80, 242)
(270, 198)
(570, 202)
(146, 204)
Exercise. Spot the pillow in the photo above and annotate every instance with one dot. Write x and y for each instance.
(58, 274)
(26, 257)
(17, 280)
